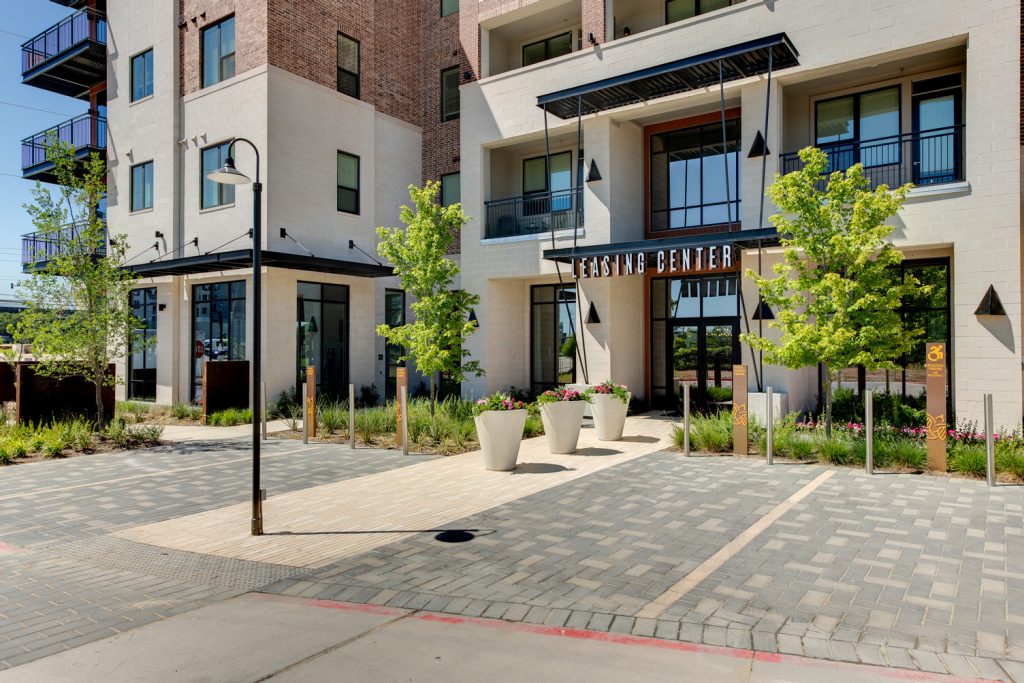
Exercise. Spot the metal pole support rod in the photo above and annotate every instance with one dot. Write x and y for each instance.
(305, 415)
(263, 404)
(869, 431)
(990, 443)
(686, 420)
(405, 421)
(769, 422)
(352, 416)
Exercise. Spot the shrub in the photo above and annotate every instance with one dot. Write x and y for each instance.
(899, 452)
(836, 451)
(286, 404)
(374, 422)
(967, 459)
(5, 456)
(332, 416)
(711, 433)
(54, 446)
(186, 411)
(534, 427)
(230, 417)
(16, 447)
(132, 410)
(128, 436)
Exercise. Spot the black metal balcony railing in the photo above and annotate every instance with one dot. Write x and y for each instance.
(534, 214)
(37, 248)
(929, 157)
(68, 33)
(86, 133)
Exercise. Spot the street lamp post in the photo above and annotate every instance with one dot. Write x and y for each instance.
(230, 175)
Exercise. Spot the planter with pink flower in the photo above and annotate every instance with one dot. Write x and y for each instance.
(609, 402)
(561, 411)
(499, 427)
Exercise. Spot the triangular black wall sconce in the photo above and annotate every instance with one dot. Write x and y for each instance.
(472, 318)
(758, 149)
(592, 317)
(762, 311)
(990, 304)
(593, 174)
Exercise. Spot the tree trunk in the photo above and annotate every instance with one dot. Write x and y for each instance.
(828, 404)
(98, 382)
(433, 394)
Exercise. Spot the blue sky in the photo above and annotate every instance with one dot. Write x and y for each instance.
(23, 111)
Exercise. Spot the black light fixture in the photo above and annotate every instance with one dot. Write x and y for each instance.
(313, 329)
(626, 31)
(159, 235)
(593, 174)
(762, 311)
(161, 307)
(990, 304)
(592, 317)
(591, 39)
(758, 148)
(472, 318)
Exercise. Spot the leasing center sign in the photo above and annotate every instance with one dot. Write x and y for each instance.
(677, 261)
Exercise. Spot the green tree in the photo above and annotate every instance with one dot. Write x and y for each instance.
(836, 293)
(77, 316)
(436, 339)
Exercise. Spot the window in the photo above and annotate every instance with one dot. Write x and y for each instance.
(214, 193)
(142, 356)
(449, 7)
(677, 10)
(862, 128)
(558, 181)
(450, 94)
(549, 48)
(218, 327)
(322, 324)
(348, 66)
(218, 52)
(394, 315)
(451, 189)
(688, 177)
(142, 75)
(938, 130)
(348, 183)
(552, 336)
(142, 186)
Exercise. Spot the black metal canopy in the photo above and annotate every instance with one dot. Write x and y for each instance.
(242, 258)
(692, 73)
(743, 239)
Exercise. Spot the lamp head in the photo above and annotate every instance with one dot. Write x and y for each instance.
(228, 174)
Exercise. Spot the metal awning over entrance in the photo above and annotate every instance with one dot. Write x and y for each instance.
(242, 258)
(741, 239)
(692, 73)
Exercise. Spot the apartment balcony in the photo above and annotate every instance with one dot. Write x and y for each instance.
(534, 214)
(68, 58)
(101, 5)
(930, 157)
(86, 133)
(38, 249)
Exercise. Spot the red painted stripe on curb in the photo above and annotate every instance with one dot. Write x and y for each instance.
(378, 610)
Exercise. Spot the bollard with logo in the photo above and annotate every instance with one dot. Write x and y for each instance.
(740, 446)
(935, 387)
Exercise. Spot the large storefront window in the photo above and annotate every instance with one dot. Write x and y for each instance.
(394, 315)
(142, 359)
(218, 327)
(322, 342)
(694, 339)
(552, 336)
(688, 171)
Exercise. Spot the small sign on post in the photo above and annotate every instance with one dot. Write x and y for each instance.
(739, 410)
(401, 385)
(311, 400)
(935, 386)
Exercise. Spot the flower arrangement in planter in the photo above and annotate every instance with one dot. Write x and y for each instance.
(609, 403)
(561, 411)
(499, 426)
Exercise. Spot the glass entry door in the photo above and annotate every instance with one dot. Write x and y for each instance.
(702, 356)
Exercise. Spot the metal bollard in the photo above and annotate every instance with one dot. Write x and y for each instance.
(990, 443)
(769, 422)
(686, 420)
(405, 420)
(305, 416)
(869, 431)
(263, 412)
(352, 416)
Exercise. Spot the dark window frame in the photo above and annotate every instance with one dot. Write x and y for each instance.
(221, 76)
(148, 308)
(855, 142)
(231, 345)
(538, 385)
(696, 10)
(151, 176)
(390, 384)
(450, 11)
(355, 189)
(547, 48)
(223, 189)
(357, 74)
(339, 382)
(147, 64)
(457, 174)
(447, 115)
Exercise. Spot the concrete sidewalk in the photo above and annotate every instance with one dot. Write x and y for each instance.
(182, 433)
(262, 637)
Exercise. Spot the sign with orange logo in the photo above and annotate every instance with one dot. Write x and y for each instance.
(935, 387)
(740, 445)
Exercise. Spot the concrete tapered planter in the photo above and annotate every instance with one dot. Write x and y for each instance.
(500, 433)
(562, 421)
(609, 416)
